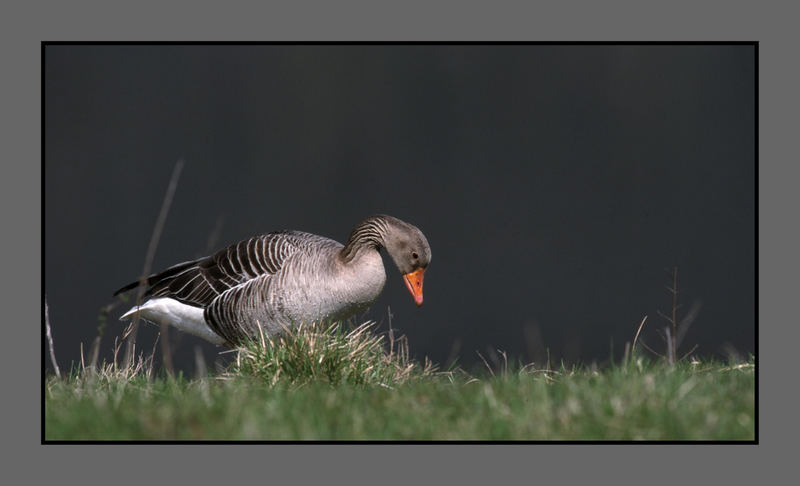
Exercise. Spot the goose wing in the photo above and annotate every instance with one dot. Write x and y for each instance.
(199, 282)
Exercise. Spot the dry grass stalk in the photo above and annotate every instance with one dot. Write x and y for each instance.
(486, 363)
(670, 347)
(644, 344)
(50, 338)
(94, 352)
(636, 337)
(151, 250)
(675, 331)
(166, 351)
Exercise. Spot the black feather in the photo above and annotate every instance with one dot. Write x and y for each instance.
(157, 277)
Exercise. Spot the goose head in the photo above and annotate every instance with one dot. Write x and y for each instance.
(404, 242)
(410, 251)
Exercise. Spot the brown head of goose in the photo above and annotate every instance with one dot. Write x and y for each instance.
(283, 278)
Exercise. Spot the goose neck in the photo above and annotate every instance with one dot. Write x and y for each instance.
(369, 234)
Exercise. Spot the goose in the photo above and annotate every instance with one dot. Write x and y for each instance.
(280, 279)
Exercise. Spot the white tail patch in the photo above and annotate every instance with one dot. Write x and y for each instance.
(187, 318)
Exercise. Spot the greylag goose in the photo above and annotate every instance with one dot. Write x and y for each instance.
(281, 279)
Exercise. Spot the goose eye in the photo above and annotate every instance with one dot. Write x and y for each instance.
(414, 255)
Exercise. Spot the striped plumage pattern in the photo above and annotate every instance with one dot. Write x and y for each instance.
(201, 281)
(369, 234)
(280, 278)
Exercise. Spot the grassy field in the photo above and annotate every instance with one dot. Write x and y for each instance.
(348, 388)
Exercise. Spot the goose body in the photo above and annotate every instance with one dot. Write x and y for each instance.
(281, 279)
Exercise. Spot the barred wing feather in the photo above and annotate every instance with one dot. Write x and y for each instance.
(200, 281)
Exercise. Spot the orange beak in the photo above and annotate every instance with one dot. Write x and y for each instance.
(414, 284)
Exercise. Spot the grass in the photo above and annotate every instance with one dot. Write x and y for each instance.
(330, 353)
(336, 384)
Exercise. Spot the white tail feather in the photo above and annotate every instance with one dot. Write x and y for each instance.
(187, 318)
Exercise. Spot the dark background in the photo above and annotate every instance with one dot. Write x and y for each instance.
(554, 183)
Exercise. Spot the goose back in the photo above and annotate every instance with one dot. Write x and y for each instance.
(200, 281)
